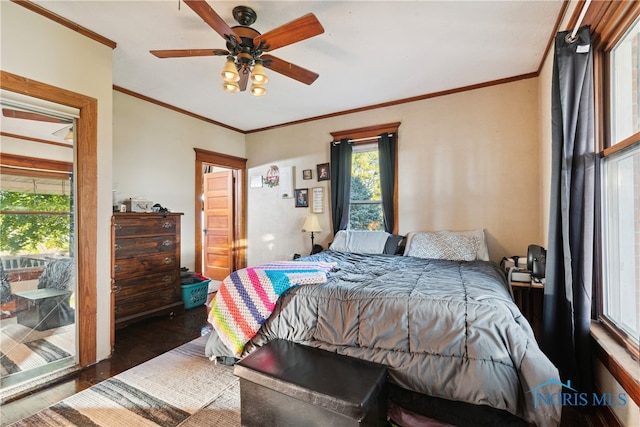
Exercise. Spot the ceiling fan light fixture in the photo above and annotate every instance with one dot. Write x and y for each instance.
(258, 74)
(231, 87)
(69, 136)
(258, 90)
(230, 72)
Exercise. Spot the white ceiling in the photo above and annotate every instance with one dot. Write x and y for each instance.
(371, 52)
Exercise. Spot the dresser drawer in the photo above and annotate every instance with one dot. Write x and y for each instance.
(129, 286)
(141, 225)
(128, 247)
(136, 304)
(144, 265)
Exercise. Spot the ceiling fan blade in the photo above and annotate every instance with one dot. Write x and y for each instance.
(61, 133)
(299, 29)
(18, 114)
(214, 20)
(184, 53)
(290, 70)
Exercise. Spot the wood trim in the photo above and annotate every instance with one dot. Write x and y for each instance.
(630, 384)
(28, 138)
(219, 159)
(366, 132)
(174, 108)
(401, 101)
(239, 165)
(24, 162)
(620, 337)
(552, 36)
(65, 22)
(33, 173)
(627, 142)
(86, 196)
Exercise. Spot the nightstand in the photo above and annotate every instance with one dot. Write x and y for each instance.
(528, 296)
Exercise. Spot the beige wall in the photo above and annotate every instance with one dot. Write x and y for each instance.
(39, 49)
(466, 161)
(153, 158)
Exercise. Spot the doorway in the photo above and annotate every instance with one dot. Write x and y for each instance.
(37, 245)
(220, 214)
(85, 213)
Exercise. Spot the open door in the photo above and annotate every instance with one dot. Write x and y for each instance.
(218, 224)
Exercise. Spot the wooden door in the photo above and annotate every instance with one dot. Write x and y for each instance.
(218, 224)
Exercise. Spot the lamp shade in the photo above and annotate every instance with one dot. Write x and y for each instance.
(231, 87)
(311, 224)
(258, 75)
(229, 72)
(258, 90)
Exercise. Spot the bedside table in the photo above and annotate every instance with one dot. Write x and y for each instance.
(529, 296)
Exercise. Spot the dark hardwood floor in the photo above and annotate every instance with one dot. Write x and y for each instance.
(134, 345)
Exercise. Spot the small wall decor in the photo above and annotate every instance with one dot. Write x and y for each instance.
(307, 174)
(255, 181)
(317, 200)
(323, 172)
(273, 176)
(302, 198)
(286, 182)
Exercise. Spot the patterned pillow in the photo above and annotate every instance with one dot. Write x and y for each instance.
(444, 245)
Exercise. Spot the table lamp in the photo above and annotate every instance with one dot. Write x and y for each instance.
(311, 225)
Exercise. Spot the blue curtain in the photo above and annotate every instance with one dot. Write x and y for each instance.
(570, 256)
(340, 183)
(387, 161)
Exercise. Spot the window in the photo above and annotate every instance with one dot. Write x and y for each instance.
(625, 92)
(620, 184)
(365, 205)
(364, 176)
(621, 239)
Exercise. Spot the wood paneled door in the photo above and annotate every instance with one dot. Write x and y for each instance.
(218, 224)
(220, 213)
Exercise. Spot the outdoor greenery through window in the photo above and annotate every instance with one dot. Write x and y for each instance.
(35, 215)
(365, 208)
(621, 189)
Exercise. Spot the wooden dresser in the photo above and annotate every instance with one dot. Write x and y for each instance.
(145, 266)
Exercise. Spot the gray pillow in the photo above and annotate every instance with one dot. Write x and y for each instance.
(392, 246)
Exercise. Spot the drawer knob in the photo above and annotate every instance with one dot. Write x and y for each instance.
(116, 247)
(166, 279)
(117, 289)
(167, 260)
(116, 268)
(167, 225)
(167, 243)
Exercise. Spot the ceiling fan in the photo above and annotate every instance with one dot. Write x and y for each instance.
(66, 132)
(245, 47)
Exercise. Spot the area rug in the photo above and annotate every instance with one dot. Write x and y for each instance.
(23, 348)
(178, 388)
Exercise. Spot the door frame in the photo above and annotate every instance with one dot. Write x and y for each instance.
(86, 134)
(239, 165)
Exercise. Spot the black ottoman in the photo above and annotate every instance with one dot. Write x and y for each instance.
(288, 384)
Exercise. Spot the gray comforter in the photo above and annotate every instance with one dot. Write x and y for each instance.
(446, 329)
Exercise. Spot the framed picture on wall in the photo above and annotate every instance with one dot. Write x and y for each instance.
(306, 174)
(323, 171)
(302, 198)
(317, 199)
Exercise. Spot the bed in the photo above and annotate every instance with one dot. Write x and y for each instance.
(446, 328)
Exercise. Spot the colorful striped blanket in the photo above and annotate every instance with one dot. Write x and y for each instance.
(247, 297)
